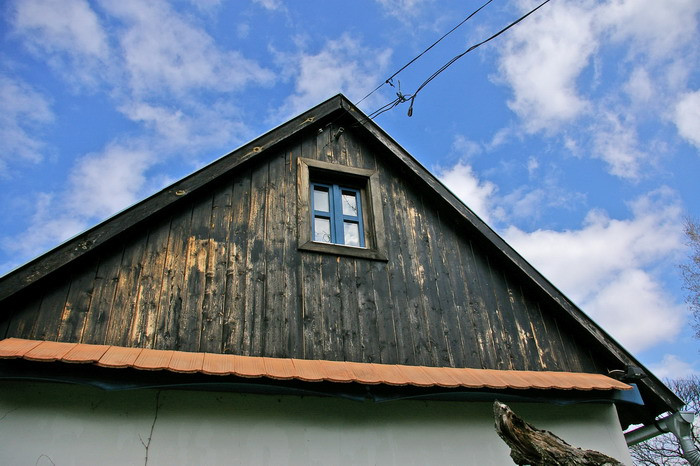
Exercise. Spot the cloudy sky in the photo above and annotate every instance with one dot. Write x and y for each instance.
(575, 134)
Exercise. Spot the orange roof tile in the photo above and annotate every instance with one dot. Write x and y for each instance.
(301, 369)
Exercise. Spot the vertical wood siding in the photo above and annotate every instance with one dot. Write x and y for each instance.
(220, 272)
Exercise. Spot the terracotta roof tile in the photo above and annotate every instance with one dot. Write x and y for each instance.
(117, 356)
(218, 364)
(85, 353)
(302, 369)
(49, 351)
(16, 348)
(186, 362)
(152, 360)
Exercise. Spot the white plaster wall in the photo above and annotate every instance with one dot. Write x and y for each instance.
(41, 424)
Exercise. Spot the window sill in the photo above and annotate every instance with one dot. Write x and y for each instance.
(342, 250)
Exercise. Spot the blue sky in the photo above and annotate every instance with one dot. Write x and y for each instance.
(575, 135)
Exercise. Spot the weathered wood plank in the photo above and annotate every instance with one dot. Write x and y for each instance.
(448, 244)
(293, 298)
(214, 302)
(408, 290)
(274, 325)
(172, 288)
(448, 312)
(236, 272)
(25, 309)
(104, 290)
(508, 337)
(50, 311)
(421, 268)
(78, 302)
(190, 326)
(127, 290)
(255, 314)
(142, 326)
(330, 305)
(478, 308)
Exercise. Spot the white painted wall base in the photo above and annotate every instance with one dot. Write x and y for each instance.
(45, 423)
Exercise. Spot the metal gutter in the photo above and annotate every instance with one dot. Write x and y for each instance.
(679, 424)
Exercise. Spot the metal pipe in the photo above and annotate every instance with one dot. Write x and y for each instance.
(680, 424)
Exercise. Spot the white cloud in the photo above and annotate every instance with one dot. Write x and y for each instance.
(164, 52)
(462, 181)
(673, 367)
(343, 65)
(687, 117)
(100, 185)
(616, 142)
(23, 111)
(191, 126)
(558, 65)
(651, 28)
(604, 267)
(272, 5)
(541, 60)
(103, 183)
(403, 8)
(57, 25)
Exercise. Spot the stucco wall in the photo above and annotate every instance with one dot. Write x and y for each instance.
(41, 424)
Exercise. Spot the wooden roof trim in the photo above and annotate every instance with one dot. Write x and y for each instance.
(298, 369)
(73, 248)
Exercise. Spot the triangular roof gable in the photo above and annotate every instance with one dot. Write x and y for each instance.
(329, 111)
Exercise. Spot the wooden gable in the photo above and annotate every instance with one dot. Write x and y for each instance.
(213, 264)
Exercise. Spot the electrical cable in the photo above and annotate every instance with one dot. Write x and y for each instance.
(388, 80)
(401, 98)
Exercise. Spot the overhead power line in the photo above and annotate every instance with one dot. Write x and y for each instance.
(388, 80)
(401, 98)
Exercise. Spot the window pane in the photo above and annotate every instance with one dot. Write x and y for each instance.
(349, 203)
(322, 229)
(321, 199)
(352, 233)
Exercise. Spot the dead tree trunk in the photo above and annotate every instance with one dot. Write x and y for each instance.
(536, 447)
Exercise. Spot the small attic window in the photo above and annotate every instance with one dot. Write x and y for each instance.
(339, 210)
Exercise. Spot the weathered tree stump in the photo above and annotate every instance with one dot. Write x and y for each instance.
(536, 447)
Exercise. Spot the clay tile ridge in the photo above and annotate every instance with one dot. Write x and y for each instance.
(300, 369)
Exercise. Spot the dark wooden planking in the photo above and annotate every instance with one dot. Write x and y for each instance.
(293, 299)
(143, 323)
(461, 293)
(255, 313)
(478, 308)
(25, 307)
(512, 344)
(237, 265)
(396, 280)
(275, 325)
(199, 243)
(330, 305)
(126, 293)
(449, 310)
(172, 287)
(402, 236)
(514, 316)
(78, 302)
(50, 311)
(215, 293)
(104, 290)
(421, 269)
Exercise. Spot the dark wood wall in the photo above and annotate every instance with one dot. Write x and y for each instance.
(220, 272)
